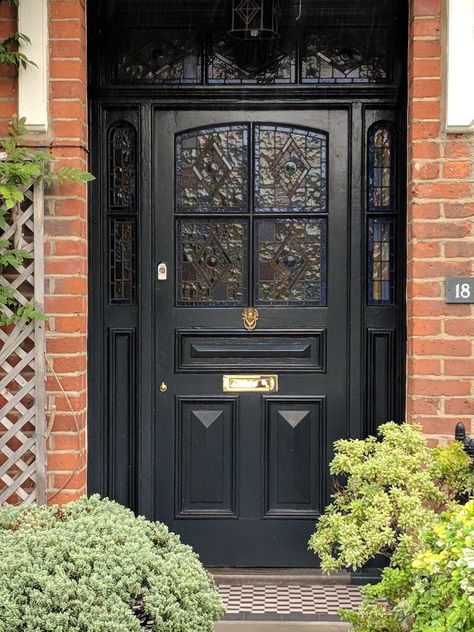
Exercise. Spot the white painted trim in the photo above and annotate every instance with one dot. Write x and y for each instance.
(33, 82)
(460, 67)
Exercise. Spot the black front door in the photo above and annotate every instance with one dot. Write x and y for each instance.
(250, 209)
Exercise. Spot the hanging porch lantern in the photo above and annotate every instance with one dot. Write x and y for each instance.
(255, 19)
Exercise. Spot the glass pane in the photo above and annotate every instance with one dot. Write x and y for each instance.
(122, 260)
(381, 167)
(290, 170)
(290, 261)
(212, 170)
(211, 263)
(122, 166)
(249, 62)
(381, 273)
(160, 56)
(345, 56)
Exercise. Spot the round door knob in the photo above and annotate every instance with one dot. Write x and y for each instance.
(163, 387)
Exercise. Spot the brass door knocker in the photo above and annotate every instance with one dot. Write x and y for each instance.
(250, 318)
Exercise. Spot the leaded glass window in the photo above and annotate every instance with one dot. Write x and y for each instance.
(212, 262)
(381, 273)
(290, 170)
(212, 170)
(122, 166)
(347, 56)
(160, 56)
(381, 168)
(251, 62)
(122, 260)
(290, 261)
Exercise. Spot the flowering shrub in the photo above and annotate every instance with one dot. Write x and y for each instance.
(390, 501)
(92, 565)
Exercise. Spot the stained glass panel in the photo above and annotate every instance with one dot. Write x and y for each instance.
(347, 56)
(290, 170)
(160, 56)
(381, 189)
(251, 62)
(290, 261)
(381, 275)
(122, 260)
(212, 170)
(212, 263)
(122, 166)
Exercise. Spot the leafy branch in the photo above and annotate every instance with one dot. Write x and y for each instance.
(21, 166)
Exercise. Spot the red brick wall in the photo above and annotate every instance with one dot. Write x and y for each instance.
(65, 242)
(66, 261)
(440, 232)
(440, 239)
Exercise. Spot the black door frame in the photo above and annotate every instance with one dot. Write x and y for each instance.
(359, 101)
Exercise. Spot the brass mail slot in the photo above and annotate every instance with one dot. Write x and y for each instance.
(250, 383)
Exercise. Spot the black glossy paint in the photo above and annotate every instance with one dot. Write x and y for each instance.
(241, 477)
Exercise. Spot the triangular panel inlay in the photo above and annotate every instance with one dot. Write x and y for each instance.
(293, 417)
(207, 417)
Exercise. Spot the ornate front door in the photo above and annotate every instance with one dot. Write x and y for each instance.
(247, 262)
(254, 207)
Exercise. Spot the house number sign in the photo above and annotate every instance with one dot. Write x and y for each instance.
(460, 290)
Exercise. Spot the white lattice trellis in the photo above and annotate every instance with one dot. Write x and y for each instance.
(22, 364)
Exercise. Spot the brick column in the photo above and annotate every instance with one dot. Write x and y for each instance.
(66, 256)
(440, 239)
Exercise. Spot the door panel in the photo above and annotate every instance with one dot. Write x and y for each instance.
(254, 207)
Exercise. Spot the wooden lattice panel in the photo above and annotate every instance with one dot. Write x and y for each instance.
(22, 364)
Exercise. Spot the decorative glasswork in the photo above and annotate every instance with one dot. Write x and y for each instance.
(160, 56)
(345, 56)
(290, 170)
(381, 168)
(251, 62)
(122, 165)
(212, 262)
(290, 261)
(122, 260)
(212, 170)
(381, 273)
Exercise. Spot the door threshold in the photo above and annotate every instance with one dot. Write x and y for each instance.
(282, 626)
(278, 576)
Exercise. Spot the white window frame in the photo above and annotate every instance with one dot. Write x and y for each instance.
(33, 81)
(460, 67)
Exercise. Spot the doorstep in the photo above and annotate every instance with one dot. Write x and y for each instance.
(268, 626)
(284, 600)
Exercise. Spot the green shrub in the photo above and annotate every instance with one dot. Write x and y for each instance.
(93, 566)
(441, 598)
(394, 489)
(391, 502)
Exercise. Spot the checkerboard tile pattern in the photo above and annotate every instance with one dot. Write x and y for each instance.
(291, 599)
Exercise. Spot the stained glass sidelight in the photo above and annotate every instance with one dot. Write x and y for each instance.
(352, 56)
(290, 261)
(122, 166)
(212, 170)
(381, 162)
(290, 170)
(251, 62)
(212, 262)
(381, 275)
(122, 260)
(160, 56)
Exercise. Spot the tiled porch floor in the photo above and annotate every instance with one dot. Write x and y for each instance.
(290, 602)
